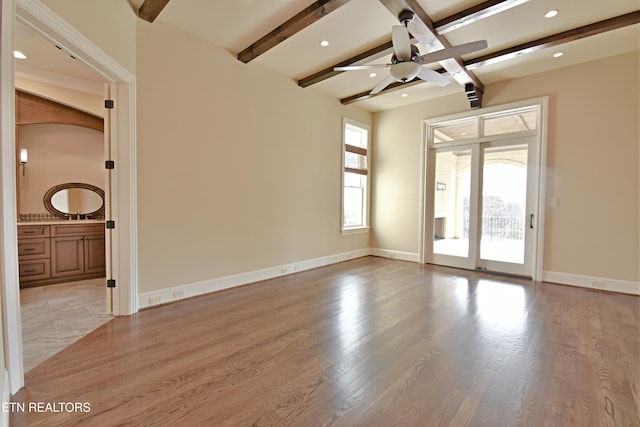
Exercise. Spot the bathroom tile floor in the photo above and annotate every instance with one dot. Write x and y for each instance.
(55, 316)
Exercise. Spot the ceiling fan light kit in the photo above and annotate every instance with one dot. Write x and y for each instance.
(405, 71)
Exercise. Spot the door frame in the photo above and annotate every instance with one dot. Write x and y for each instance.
(123, 242)
(427, 192)
(468, 262)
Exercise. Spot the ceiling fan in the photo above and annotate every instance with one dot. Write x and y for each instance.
(407, 63)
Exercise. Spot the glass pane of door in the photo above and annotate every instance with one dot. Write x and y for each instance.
(451, 203)
(504, 204)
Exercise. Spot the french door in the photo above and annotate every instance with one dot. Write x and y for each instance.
(482, 204)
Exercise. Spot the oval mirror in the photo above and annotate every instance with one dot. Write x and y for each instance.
(75, 200)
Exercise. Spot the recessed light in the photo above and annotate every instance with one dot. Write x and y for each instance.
(372, 74)
(551, 13)
(19, 55)
(324, 43)
(404, 95)
(558, 54)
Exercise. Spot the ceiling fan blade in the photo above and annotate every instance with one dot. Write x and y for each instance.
(452, 52)
(428, 75)
(386, 82)
(401, 43)
(361, 67)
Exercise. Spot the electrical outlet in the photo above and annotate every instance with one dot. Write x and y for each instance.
(155, 300)
(285, 270)
(178, 294)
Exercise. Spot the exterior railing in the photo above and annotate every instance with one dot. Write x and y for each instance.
(499, 227)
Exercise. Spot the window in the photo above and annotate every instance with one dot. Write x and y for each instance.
(461, 129)
(523, 121)
(513, 121)
(355, 176)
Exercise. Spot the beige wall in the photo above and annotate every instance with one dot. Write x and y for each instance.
(238, 167)
(397, 171)
(58, 154)
(593, 163)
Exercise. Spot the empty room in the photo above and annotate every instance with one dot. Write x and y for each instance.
(313, 213)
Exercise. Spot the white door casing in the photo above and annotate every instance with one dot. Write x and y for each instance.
(475, 146)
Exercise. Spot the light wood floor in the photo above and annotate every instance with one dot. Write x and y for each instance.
(55, 316)
(369, 342)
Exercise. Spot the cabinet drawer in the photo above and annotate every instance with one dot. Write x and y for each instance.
(33, 248)
(35, 269)
(27, 231)
(76, 229)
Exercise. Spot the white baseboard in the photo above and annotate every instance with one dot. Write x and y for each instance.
(605, 284)
(403, 256)
(163, 296)
(5, 397)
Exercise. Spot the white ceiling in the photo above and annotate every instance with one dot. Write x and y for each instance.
(47, 63)
(362, 24)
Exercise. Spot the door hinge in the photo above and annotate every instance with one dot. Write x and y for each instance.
(110, 224)
(109, 104)
(111, 283)
(110, 164)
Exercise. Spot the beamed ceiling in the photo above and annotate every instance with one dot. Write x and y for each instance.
(285, 36)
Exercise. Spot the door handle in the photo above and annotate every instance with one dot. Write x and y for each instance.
(531, 221)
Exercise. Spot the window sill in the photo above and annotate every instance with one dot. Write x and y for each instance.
(358, 230)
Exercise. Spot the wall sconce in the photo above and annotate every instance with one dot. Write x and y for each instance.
(24, 157)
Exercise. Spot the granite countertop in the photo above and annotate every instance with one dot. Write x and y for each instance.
(63, 221)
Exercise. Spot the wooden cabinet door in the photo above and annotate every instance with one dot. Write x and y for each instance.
(67, 256)
(94, 254)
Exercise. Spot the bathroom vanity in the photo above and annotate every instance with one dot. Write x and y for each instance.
(60, 251)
